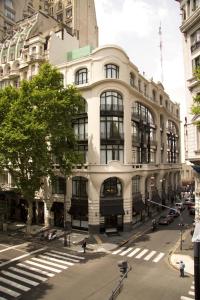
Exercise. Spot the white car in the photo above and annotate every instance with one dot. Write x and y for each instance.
(179, 206)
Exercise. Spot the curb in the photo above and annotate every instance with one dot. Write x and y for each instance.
(173, 252)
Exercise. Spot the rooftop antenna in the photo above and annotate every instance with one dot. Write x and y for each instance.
(161, 52)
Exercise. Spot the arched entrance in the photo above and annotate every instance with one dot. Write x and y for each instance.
(111, 204)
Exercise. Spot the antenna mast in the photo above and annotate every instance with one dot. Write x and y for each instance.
(161, 52)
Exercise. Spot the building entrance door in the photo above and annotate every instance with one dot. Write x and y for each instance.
(111, 222)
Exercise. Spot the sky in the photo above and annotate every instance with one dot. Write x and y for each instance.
(134, 25)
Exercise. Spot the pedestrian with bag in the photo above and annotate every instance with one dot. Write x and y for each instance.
(182, 268)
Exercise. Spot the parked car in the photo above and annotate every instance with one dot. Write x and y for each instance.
(180, 206)
(191, 205)
(165, 220)
(192, 211)
(174, 213)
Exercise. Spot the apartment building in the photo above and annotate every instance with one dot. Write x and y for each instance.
(190, 27)
(78, 15)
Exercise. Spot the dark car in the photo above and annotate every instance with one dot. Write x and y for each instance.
(192, 211)
(174, 213)
(165, 220)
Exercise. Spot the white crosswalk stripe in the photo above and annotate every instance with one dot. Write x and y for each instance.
(150, 255)
(138, 253)
(14, 284)
(32, 272)
(134, 252)
(9, 292)
(118, 251)
(66, 254)
(20, 278)
(142, 253)
(158, 257)
(56, 260)
(40, 278)
(126, 251)
(43, 261)
(62, 257)
(36, 270)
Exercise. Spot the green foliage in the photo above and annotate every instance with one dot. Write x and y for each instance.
(36, 127)
(196, 100)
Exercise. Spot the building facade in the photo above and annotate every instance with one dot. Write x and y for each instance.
(190, 28)
(128, 134)
(78, 15)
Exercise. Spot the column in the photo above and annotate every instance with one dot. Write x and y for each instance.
(127, 197)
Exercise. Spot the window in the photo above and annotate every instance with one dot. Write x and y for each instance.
(59, 185)
(69, 13)
(111, 187)
(111, 101)
(81, 129)
(132, 79)
(111, 128)
(195, 63)
(10, 15)
(145, 89)
(111, 71)
(60, 17)
(79, 187)
(195, 40)
(81, 76)
(139, 85)
(135, 184)
(9, 3)
(161, 100)
(112, 152)
(154, 95)
(82, 149)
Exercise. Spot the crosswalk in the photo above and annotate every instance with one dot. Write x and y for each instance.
(30, 273)
(190, 293)
(138, 253)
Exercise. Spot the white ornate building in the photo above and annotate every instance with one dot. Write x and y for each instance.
(129, 133)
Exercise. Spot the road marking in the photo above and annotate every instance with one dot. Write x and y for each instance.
(134, 252)
(42, 266)
(12, 247)
(20, 278)
(186, 298)
(49, 263)
(62, 257)
(158, 257)
(16, 285)
(9, 292)
(191, 293)
(126, 251)
(149, 256)
(118, 251)
(22, 256)
(66, 254)
(36, 270)
(56, 260)
(142, 253)
(28, 274)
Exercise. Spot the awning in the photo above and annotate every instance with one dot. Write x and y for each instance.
(111, 207)
(113, 210)
(78, 210)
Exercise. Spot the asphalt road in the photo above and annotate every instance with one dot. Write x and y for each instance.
(78, 276)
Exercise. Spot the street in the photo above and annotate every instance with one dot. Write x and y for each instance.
(38, 271)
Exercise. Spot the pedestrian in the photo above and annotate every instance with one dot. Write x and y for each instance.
(84, 244)
(181, 268)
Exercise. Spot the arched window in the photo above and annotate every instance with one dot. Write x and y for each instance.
(111, 71)
(111, 187)
(81, 76)
(111, 101)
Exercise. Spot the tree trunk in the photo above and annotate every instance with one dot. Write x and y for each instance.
(29, 217)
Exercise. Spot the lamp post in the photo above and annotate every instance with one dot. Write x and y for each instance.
(65, 217)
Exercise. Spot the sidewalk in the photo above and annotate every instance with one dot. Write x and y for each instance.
(186, 254)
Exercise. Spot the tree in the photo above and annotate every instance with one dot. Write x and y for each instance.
(35, 128)
(196, 100)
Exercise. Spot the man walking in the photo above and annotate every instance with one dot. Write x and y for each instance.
(84, 244)
(181, 268)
